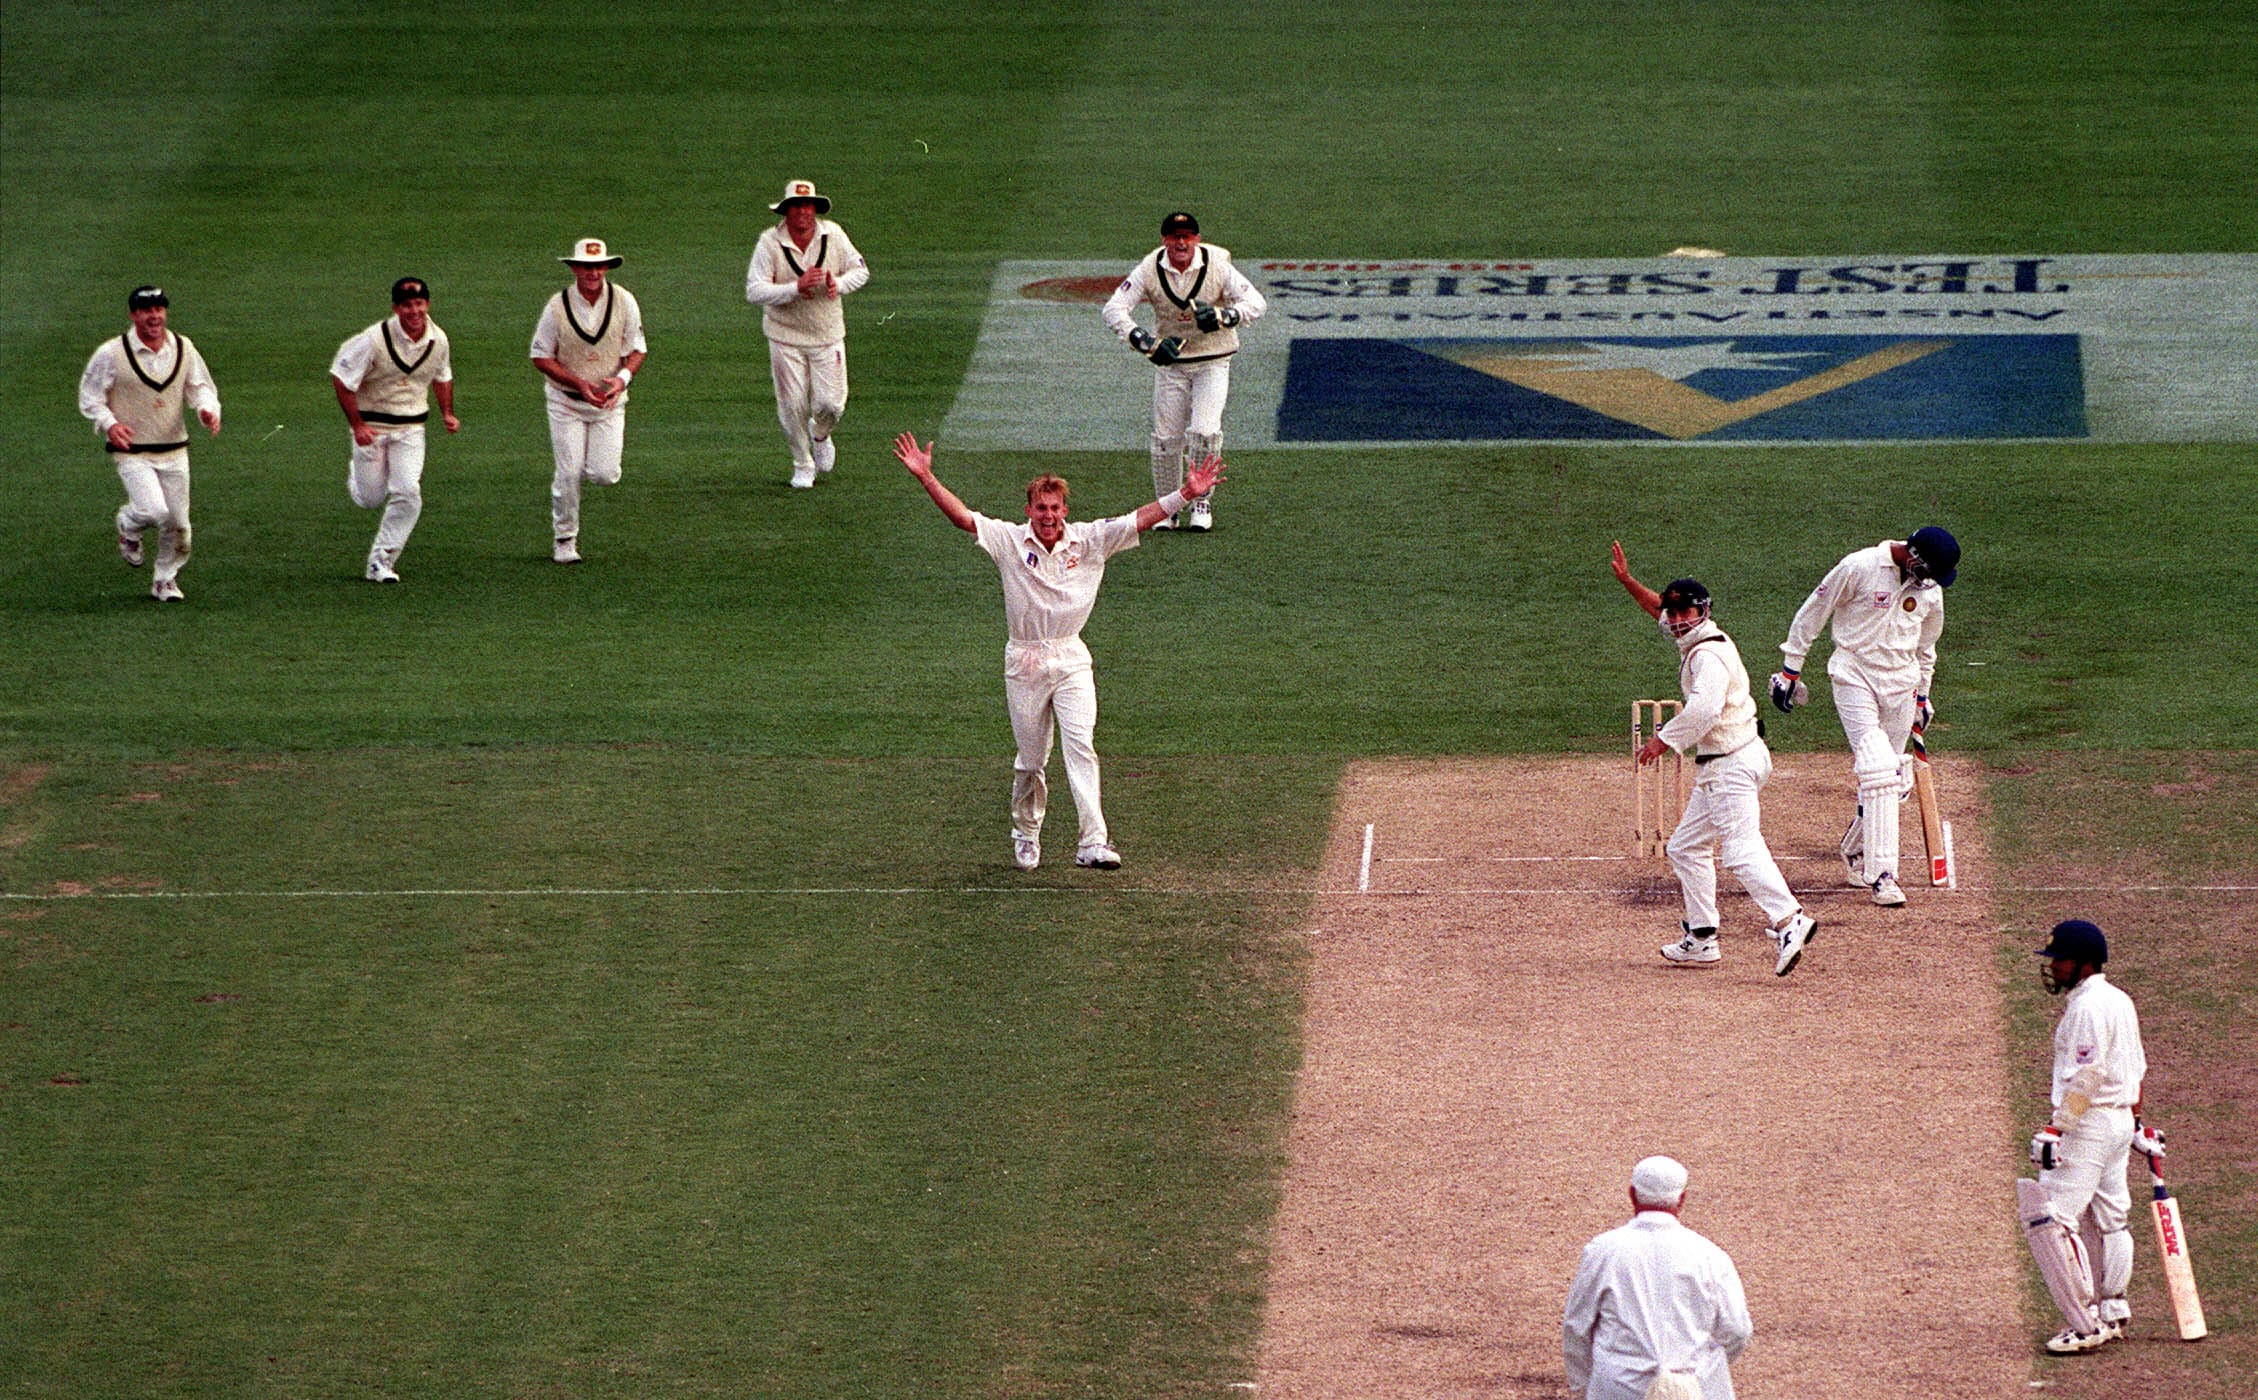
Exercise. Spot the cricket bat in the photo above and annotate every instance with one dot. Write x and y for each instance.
(2179, 1275)
(1932, 819)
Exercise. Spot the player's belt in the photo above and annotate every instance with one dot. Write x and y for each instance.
(395, 418)
(151, 447)
(1701, 758)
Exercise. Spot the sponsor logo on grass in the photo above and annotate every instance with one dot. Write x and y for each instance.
(1661, 350)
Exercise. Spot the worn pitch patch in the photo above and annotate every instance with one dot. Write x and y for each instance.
(1658, 350)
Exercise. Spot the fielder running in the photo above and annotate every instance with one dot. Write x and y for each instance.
(1887, 608)
(1723, 820)
(137, 391)
(588, 345)
(1199, 301)
(1656, 1311)
(1051, 571)
(800, 269)
(384, 379)
(2083, 1150)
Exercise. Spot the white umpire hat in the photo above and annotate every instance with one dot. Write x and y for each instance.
(798, 190)
(1658, 1180)
(591, 252)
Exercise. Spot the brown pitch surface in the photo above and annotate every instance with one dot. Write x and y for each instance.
(1492, 1041)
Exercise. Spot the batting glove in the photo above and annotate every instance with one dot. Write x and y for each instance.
(1142, 341)
(2148, 1142)
(1788, 692)
(1924, 714)
(1209, 318)
(2046, 1147)
(1166, 352)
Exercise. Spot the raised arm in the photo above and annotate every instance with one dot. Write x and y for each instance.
(1644, 596)
(919, 461)
(1198, 481)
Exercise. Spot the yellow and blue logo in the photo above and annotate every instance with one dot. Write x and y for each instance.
(1727, 388)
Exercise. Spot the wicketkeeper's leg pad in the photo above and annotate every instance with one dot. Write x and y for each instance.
(1168, 464)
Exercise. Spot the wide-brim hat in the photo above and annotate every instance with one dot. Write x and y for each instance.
(591, 252)
(795, 190)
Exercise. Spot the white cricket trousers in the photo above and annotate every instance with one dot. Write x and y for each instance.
(811, 394)
(1049, 684)
(1876, 722)
(1723, 825)
(1187, 409)
(587, 450)
(389, 473)
(156, 494)
(2089, 1175)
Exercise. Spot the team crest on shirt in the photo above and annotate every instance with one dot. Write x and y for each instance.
(1911, 604)
(2086, 1053)
(1882, 600)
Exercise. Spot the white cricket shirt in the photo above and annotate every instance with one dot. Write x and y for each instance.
(2100, 1030)
(1886, 626)
(1048, 594)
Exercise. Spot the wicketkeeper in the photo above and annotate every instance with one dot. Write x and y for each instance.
(1199, 301)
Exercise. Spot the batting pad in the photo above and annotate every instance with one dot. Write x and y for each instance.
(2061, 1257)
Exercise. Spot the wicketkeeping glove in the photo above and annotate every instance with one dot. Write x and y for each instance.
(1209, 318)
(2148, 1142)
(1788, 692)
(2046, 1147)
(1166, 352)
(1142, 341)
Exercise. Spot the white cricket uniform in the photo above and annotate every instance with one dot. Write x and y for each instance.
(152, 392)
(592, 339)
(390, 377)
(1048, 595)
(1652, 1296)
(1188, 396)
(1886, 627)
(807, 336)
(1723, 821)
(2098, 1044)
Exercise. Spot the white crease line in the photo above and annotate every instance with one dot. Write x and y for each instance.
(1364, 872)
(1448, 860)
(1093, 887)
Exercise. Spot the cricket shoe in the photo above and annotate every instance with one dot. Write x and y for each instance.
(1693, 948)
(1203, 516)
(803, 477)
(380, 570)
(2071, 1342)
(1792, 937)
(129, 549)
(826, 454)
(1886, 892)
(567, 550)
(2113, 1328)
(1098, 857)
(1167, 522)
(1026, 851)
(167, 592)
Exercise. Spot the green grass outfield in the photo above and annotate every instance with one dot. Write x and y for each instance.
(738, 1144)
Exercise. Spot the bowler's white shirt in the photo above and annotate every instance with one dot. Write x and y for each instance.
(2101, 1030)
(1652, 1295)
(1886, 626)
(1048, 594)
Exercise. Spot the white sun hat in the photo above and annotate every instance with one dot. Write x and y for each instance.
(800, 189)
(591, 252)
